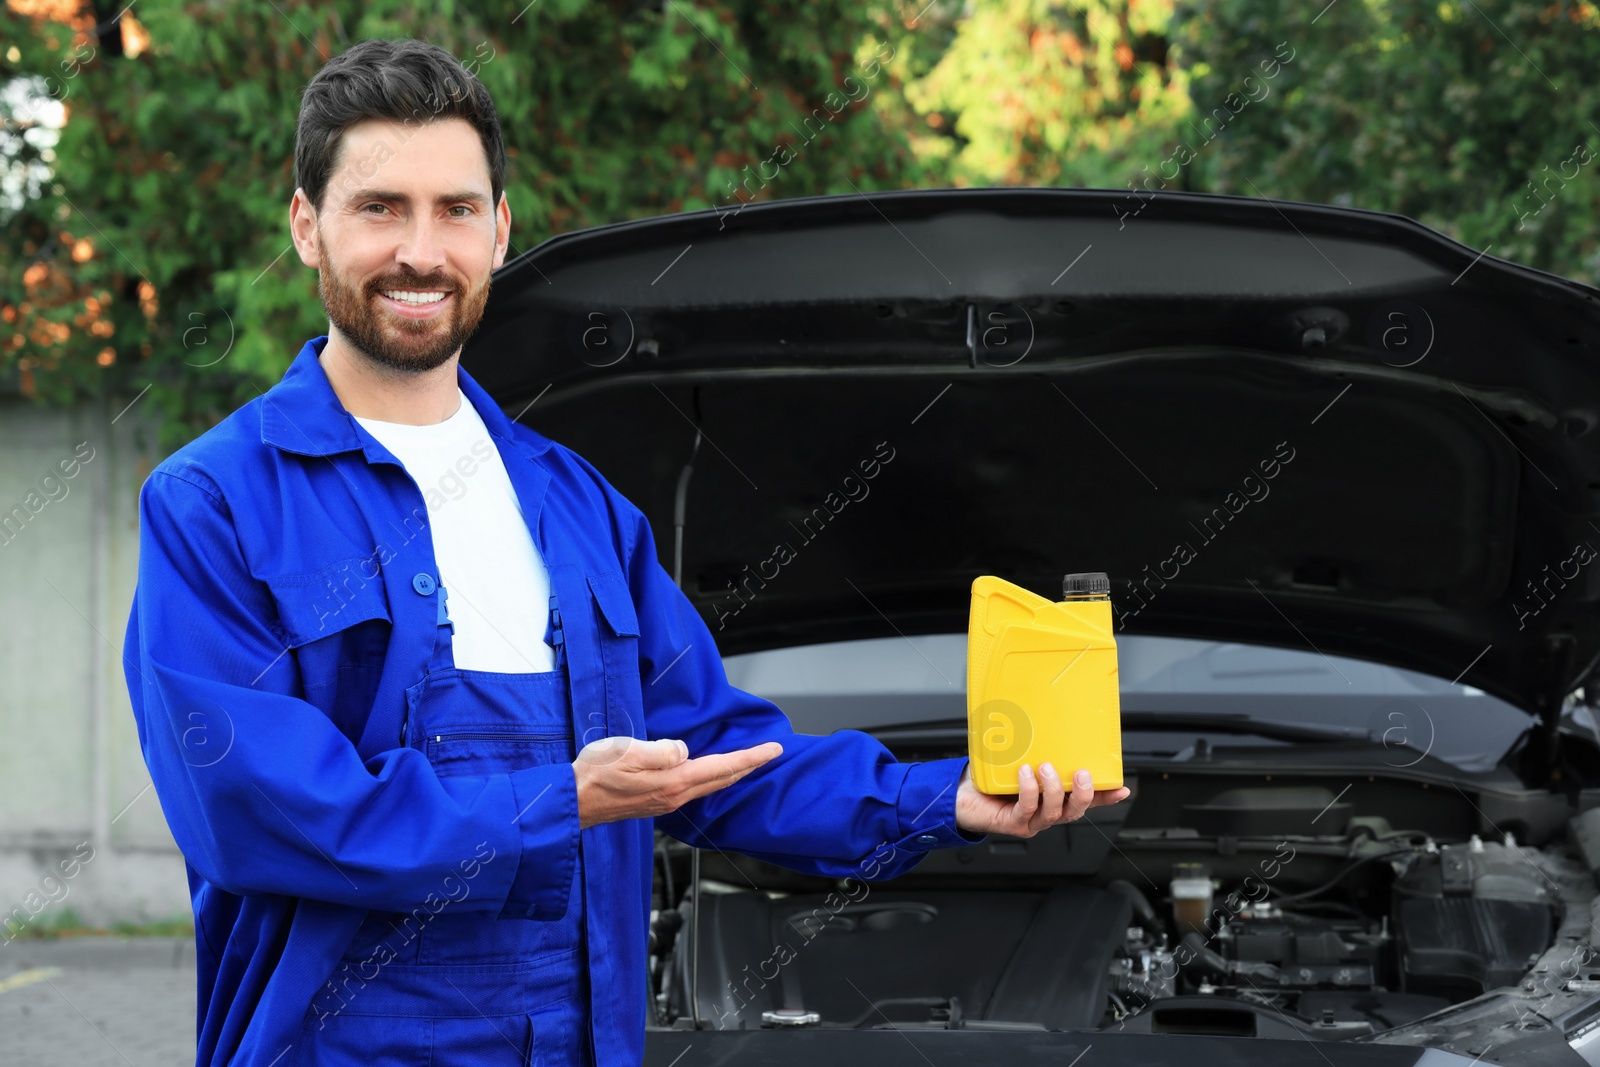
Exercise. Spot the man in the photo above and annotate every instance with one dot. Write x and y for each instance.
(412, 685)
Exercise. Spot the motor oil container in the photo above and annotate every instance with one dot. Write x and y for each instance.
(1042, 683)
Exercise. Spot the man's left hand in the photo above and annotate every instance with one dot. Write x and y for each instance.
(1041, 801)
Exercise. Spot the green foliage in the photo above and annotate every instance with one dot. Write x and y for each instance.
(1459, 115)
(175, 927)
(1039, 92)
(176, 165)
(154, 255)
(65, 922)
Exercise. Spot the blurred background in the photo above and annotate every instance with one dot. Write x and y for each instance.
(148, 286)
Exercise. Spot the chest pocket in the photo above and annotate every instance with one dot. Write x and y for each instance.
(461, 752)
(619, 653)
(336, 622)
(485, 722)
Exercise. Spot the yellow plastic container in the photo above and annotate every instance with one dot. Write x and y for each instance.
(1042, 683)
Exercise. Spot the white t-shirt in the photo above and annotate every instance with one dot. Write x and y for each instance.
(498, 586)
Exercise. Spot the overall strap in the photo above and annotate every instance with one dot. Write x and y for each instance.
(574, 637)
(443, 657)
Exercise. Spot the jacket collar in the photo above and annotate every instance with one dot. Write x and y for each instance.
(302, 413)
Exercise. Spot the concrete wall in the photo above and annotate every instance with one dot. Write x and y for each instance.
(79, 826)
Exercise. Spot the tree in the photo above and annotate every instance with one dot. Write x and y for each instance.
(147, 253)
(155, 259)
(1039, 92)
(1473, 118)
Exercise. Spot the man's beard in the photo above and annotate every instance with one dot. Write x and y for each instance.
(385, 338)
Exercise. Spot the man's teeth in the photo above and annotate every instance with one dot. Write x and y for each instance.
(413, 298)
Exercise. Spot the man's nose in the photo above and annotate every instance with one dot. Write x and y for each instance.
(422, 248)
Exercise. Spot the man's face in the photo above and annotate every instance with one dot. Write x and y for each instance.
(406, 240)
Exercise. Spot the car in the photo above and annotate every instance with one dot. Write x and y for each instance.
(1344, 475)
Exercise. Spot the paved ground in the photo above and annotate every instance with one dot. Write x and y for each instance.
(97, 1002)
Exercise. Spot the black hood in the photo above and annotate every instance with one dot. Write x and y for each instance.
(1272, 422)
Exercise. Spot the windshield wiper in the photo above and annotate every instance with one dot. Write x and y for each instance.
(1272, 729)
(1178, 722)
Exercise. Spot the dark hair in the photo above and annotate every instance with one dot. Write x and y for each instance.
(405, 80)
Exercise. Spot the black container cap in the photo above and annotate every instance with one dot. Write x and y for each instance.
(1086, 583)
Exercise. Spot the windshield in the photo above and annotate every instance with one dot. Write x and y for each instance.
(894, 680)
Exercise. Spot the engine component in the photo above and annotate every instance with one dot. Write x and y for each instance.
(1460, 947)
(1191, 896)
(1583, 832)
(1058, 974)
(1308, 953)
(1270, 811)
(1144, 913)
(1471, 918)
(1262, 947)
(949, 957)
(1383, 1010)
(1202, 962)
(1144, 970)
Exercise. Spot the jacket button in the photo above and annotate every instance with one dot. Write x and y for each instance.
(927, 839)
(424, 584)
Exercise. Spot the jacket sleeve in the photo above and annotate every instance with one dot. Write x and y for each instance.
(839, 805)
(265, 795)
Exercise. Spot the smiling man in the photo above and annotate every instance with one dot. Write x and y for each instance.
(415, 746)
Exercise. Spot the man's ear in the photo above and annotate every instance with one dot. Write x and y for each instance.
(502, 229)
(303, 229)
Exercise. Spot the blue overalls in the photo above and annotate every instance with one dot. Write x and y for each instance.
(377, 867)
(454, 987)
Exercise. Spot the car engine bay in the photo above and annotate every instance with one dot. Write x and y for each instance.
(1396, 908)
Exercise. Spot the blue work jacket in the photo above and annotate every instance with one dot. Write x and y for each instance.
(286, 604)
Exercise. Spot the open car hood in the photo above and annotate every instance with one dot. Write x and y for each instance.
(1268, 421)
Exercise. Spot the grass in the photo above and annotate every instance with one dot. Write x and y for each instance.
(65, 922)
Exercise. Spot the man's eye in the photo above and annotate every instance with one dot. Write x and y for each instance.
(376, 205)
(461, 207)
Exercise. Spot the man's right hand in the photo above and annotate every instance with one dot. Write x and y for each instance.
(625, 778)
